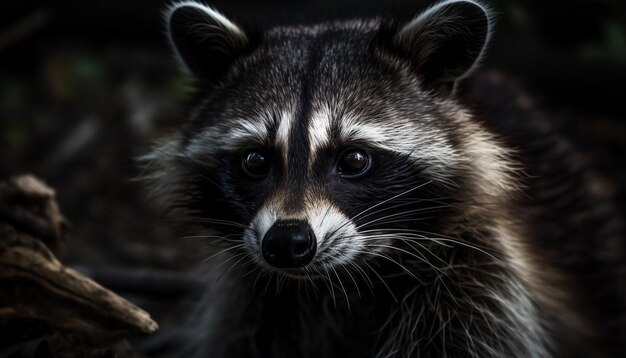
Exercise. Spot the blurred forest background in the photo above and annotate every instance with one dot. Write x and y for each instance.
(87, 86)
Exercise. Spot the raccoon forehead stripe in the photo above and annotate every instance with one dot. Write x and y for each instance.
(282, 133)
(319, 130)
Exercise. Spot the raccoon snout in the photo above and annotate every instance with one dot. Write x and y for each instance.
(289, 244)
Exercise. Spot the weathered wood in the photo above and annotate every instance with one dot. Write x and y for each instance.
(41, 298)
(38, 286)
(29, 205)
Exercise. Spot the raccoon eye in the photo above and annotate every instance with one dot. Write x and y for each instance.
(255, 164)
(353, 163)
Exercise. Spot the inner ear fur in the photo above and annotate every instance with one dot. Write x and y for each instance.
(204, 41)
(445, 42)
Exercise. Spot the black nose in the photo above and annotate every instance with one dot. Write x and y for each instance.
(289, 243)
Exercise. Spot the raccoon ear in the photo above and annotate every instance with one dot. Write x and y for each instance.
(204, 41)
(445, 42)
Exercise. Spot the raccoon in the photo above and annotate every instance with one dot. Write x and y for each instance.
(362, 197)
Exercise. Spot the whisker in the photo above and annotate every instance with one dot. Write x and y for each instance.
(220, 222)
(361, 271)
(223, 251)
(378, 254)
(342, 287)
(392, 198)
(229, 259)
(354, 218)
(416, 234)
(400, 214)
(231, 267)
(332, 290)
(406, 203)
(356, 286)
(382, 281)
(423, 259)
(256, 267)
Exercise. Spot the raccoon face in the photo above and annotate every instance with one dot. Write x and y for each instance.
(327, 144)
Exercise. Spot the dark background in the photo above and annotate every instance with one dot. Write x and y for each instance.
(87, 86)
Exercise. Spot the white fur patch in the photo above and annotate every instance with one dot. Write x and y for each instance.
(423, 144)
(240, 134)
(490, 162)
(253, 236)
(237, 134)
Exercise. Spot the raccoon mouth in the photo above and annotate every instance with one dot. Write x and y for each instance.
(299, 273)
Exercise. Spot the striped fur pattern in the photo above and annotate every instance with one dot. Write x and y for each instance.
(431, 253)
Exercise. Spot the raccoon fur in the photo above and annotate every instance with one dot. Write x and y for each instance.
(363, 197)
